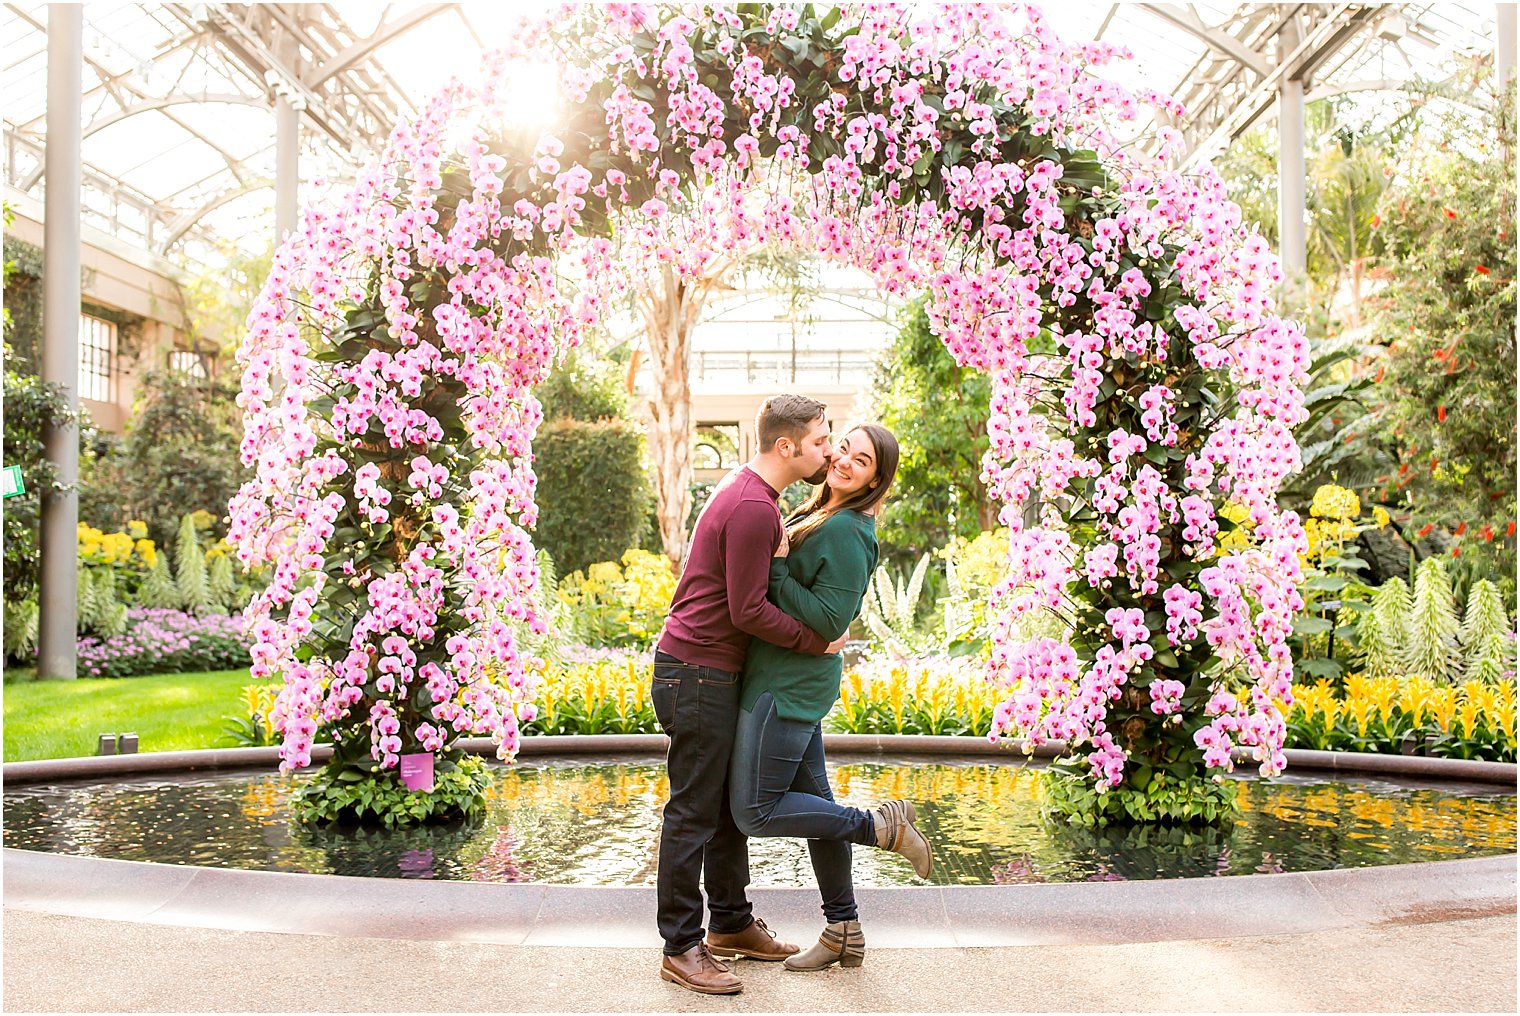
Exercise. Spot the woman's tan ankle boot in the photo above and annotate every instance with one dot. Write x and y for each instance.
(841, 942)
(896, 832)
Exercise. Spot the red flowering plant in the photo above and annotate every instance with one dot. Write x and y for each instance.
(964, 151)
(1446, 404)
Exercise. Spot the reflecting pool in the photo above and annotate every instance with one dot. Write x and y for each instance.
(570, 821)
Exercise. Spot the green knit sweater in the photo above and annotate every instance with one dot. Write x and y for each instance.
(821, 583)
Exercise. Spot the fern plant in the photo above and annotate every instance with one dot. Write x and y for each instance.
(190, 568)
(98, 611)
(959, 618)
(158, 591)
(21, 627)
(1432, 647)
(1486, 635)
(84, 600)
(890, 611)
(557, 614)
(221, 583)
(110, 612)
(1382, 633)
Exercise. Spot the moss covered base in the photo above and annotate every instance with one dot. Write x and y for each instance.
(1164, 800)
(350, 794)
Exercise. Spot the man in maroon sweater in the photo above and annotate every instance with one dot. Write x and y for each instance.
(719, 605)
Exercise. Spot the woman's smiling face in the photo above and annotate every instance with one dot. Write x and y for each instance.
(854, 465)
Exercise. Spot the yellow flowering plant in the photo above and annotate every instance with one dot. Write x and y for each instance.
(936, 695)
(620, 603)
(1324, 640)
(605, 695)
(606, 691)
(1472, 720)
(973, 568)
(126, 549)
(111, 570)
(254, 730)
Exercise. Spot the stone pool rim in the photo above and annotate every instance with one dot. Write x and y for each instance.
(1340, 762)
(623, 917)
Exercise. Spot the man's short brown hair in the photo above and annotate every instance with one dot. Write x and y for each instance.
(786, 416)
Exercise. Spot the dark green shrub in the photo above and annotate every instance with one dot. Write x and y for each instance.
(581, 393)
(31, 405)
(179, 454)
(942, 440)
(593, 493)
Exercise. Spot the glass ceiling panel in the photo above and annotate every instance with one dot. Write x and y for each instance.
(167, 170)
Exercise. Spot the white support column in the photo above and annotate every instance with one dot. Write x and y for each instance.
(287, 144)
(60, 338)
(1291, 170)
(1504, 44)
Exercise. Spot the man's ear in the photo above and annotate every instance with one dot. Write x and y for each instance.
(784, 447)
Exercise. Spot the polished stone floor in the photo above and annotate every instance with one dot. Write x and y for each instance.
(55, 963)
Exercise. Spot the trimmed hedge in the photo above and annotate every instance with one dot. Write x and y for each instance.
(593, 492)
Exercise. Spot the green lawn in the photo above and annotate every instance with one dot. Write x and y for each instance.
(168, 712)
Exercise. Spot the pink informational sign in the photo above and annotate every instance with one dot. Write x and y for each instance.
(417, 771)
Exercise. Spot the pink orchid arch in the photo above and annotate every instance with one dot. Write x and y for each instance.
(963, 150)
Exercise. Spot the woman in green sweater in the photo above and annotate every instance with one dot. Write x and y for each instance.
(777, 782)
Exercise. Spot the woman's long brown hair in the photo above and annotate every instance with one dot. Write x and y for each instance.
(812, 514)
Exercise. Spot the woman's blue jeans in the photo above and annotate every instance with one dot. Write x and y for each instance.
(778, 787)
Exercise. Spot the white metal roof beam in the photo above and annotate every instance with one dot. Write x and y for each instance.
(1320, 43)
(108, 83)
(172, 100)
(184, 222)
(1187, 19)
(306, 28)
(106, 182)
(244, 40)
(234, 166)
(385, 33)
(1444, 89)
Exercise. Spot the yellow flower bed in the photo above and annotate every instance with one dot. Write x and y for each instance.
(950, 697)
(609, 696)
(942, 697)
(1390, 714)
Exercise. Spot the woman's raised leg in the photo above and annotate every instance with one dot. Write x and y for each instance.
(768, 753)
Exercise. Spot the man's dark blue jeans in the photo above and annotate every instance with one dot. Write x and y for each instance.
(779, 787)
(698, 708)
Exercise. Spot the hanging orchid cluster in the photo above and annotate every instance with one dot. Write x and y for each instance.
(964, 150)
(388, 376)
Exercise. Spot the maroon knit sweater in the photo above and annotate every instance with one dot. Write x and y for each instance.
(720, 603)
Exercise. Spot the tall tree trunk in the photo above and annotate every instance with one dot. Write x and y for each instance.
(631, 380)
(671, 308)
(987, 508)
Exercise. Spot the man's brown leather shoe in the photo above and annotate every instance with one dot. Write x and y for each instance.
(757, 942)
(697, 970)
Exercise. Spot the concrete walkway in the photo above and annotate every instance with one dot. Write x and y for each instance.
(55, 964)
